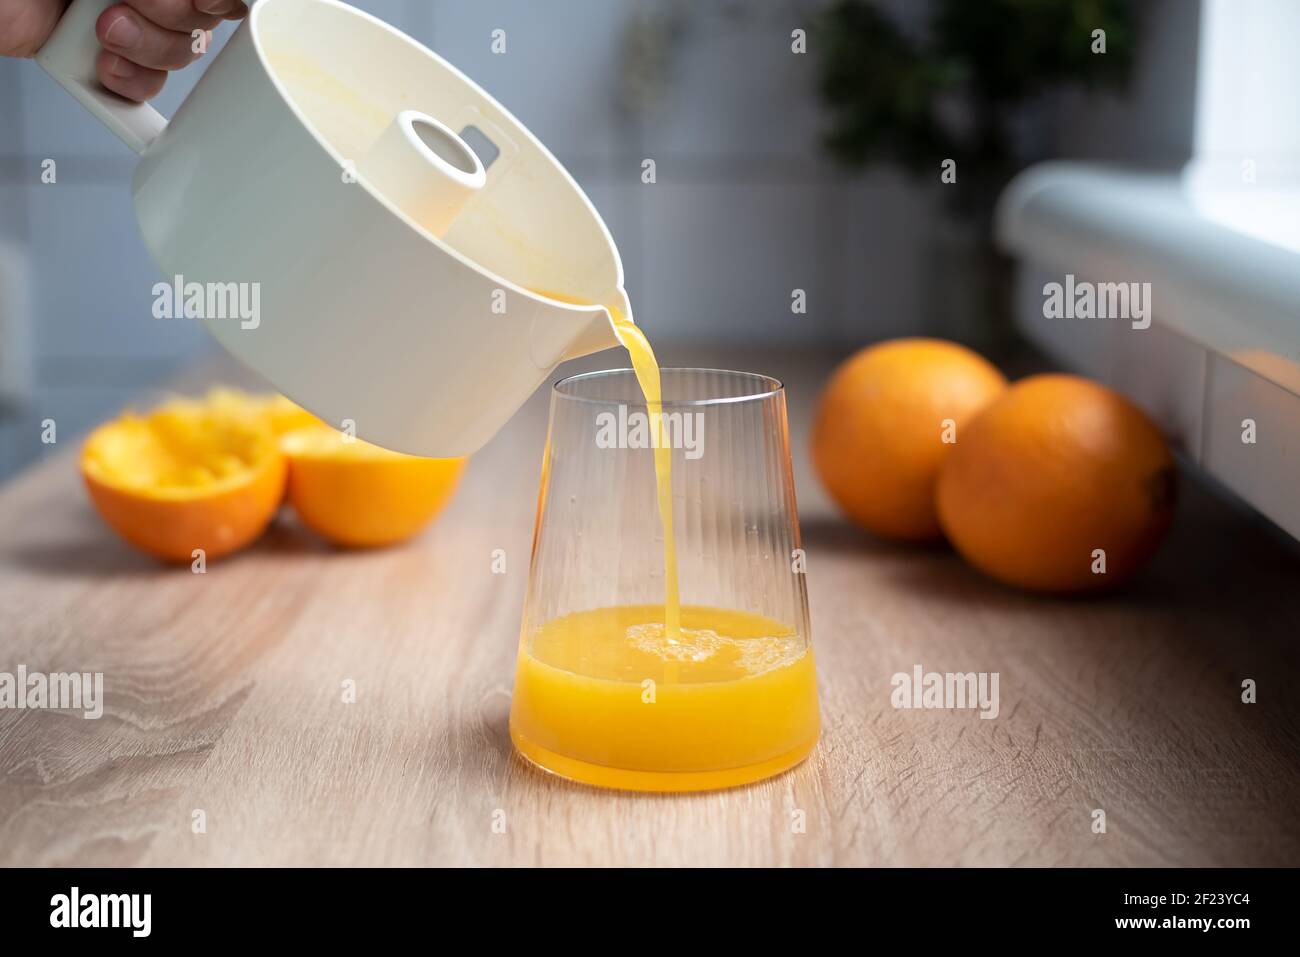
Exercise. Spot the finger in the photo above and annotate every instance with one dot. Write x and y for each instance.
(185, 15)
(123, 31)
(226, 9)
(25, 25)
(128, 79)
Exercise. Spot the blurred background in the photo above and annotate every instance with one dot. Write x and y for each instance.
(776, 170)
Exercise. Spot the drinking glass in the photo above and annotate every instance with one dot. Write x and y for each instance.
(607, 692)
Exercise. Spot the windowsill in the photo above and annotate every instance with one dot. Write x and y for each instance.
(1224, 267)
(1218, 367)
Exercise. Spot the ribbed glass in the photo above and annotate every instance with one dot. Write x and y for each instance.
(598, 544)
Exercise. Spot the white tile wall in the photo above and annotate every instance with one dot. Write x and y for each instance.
(738, 93)
(558, 72)
(883, 249)
(13, 209)
(619, 206)
(92, 279)
(74, 410)
(722, 259)
(17, 362)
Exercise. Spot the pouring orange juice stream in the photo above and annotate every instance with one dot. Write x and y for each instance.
(646, 368)
(737, 701)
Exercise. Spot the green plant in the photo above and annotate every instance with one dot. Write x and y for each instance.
(953, 90)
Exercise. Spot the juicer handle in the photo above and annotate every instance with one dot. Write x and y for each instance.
(69, 56)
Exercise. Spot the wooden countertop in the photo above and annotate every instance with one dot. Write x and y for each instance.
(223, 695)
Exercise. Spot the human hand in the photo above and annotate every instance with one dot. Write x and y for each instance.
(142, 39)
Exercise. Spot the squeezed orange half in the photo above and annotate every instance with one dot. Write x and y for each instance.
(360, 495)
(186, 476)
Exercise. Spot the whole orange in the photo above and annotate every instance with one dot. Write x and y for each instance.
(1061, 485)
(885, 423)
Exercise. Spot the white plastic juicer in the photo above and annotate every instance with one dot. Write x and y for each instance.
(399, 223)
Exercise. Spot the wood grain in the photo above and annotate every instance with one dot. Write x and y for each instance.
(224, 694)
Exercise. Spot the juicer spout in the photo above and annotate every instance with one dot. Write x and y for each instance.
(600, 334)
